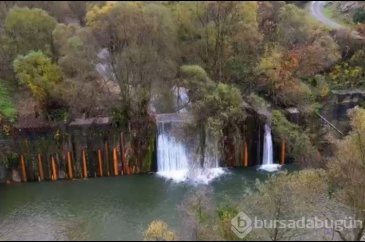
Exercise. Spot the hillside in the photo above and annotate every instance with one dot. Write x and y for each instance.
(345, 11)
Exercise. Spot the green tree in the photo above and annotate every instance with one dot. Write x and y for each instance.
(77, 49)
(37, 72)
(29, 29)
(217, 108)
(359, 16)
(219, 36)
(294, 26)
(344, 75)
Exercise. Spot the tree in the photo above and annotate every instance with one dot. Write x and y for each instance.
(199, 220)
(7, 51)
(287, 197)
(78, 59)
(136, 35)
(268, 18)
(346, 174)
(318, 56)
(217, 109)
(294, 26)
(37, 72)
(276, 76)
(159, 231)
(80, 8)
(345, 76)
(219, 36)
(77, 50)
(140, 41)
(359, 16)
(30, 29)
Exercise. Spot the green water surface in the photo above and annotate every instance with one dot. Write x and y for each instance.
(115, 208)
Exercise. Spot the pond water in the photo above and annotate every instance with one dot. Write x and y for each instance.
(115, 208)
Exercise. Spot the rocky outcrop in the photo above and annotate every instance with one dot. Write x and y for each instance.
(2, 173)
(339, 103)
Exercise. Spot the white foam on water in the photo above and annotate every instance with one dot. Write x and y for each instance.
(176, 176)
(205, 176)
(197, 176)
(270, 167)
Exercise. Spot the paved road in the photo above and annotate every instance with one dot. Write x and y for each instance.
(316, 9)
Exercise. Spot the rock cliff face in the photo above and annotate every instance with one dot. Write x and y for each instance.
(2, 173)
(340, 102)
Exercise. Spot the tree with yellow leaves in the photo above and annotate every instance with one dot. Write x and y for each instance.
(159, 231)
(37, 72)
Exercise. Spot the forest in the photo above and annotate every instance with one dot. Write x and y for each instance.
(68, 60)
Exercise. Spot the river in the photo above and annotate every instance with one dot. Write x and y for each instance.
(115, 208)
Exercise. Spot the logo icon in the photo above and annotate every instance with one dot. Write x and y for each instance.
(241, 225)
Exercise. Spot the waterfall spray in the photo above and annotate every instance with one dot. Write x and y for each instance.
(174, 161)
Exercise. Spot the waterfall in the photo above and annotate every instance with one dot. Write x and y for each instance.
(268, 154)
(172, 161)
(176, 159)
(267, 158)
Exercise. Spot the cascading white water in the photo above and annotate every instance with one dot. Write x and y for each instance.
(172, 161)
(176, 159)
(268, 154)
(267, 158)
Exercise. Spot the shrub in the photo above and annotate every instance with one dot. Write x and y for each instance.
(359, 16)
(7, 107)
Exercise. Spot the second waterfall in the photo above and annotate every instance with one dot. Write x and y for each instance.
(268, 152)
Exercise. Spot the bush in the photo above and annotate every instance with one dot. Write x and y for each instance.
(7, 107)
(359, 16)
(159, 231)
